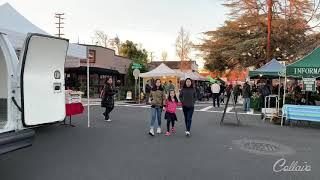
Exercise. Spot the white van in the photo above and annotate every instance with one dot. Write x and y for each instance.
(31, 88)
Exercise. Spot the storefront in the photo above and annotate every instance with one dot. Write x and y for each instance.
(307, 71)
(76, 78)
(103, 63)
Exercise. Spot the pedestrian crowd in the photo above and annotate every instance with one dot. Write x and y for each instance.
(163, 99)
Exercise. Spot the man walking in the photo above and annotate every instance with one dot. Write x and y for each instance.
(222, 91)
(246, 93)
(236, 92)
(215, 89)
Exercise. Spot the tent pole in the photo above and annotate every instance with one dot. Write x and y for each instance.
(278, 110)
(139, 90)
(284, 96)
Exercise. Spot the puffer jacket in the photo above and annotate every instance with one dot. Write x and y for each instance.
(108, 99)
(158, 98)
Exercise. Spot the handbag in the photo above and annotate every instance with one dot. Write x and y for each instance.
(107, 101)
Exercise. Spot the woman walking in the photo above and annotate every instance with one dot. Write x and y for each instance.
(188, 99)
(158, 100)
(108, 99)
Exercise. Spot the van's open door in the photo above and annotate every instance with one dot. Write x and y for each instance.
(42, 80)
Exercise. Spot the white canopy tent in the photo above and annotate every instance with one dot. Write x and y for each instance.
(161, 71)
(192, 75)
(164, 73)
(17, 27)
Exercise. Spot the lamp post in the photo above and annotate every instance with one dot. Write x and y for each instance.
(269, 3)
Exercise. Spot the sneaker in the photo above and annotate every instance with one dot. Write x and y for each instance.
(108, 120)
(167, 133)
(151, 132)
(158, 130)
(173, 130)
(188, 133)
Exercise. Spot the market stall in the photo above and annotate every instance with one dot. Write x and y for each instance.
(307, 69)
(165, 74)
(272, 70)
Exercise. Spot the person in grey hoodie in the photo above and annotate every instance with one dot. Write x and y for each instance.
(188, 99)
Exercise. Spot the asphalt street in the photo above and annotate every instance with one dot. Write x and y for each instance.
(123, 150)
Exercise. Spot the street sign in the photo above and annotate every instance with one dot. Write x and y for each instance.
(136, 73)
(309, 84)
(136, 66)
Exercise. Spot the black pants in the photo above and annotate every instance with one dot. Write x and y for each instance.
(188, 113)
(215, 97)
(168, 124)
(236, 98)
(107, 112)
(222, 98)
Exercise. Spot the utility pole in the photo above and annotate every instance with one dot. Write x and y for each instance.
(60, 18)
(270, 3)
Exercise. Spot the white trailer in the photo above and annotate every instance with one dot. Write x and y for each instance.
(32, 90)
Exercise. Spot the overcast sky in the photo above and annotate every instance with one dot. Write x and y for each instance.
(152, 23)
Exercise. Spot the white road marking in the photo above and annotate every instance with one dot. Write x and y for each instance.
(206, 108)
(229, 109)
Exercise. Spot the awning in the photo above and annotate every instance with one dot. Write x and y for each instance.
(93, 70)
(307, 67)
(273, 68)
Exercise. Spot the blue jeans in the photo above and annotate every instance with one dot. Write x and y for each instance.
(246, 104)
(188, 112)
(156, 113)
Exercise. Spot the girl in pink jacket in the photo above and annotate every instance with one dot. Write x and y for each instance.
(170, 108)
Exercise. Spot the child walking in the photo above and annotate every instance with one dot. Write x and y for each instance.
(171, 107)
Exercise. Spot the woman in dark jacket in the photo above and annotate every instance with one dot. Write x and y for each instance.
(108, 99)
(188, 99)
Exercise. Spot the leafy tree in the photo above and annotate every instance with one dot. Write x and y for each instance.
(242, 40)
(138, 55)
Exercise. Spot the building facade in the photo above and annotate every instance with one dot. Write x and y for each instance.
(103, 62)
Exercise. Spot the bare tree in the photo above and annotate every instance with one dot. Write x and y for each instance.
(183, 45)
(101, 38)
(164, 56)
(115, 44)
